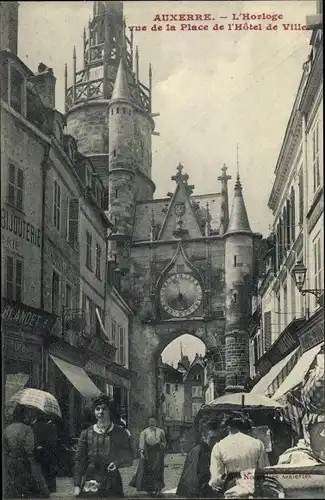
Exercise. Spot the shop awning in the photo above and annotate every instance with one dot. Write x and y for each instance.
(298, 373)
(78, 378)
(274, 378)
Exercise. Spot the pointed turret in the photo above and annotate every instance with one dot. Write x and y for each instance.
(238, 221)
(121, 87)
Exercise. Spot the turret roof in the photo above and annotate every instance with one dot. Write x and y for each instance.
(238, 220)
(121, 86)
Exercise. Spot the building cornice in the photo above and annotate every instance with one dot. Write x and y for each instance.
(25, 124)
(313, 83)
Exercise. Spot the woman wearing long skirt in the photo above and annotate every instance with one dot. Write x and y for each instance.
(150, 474)
(102, 449)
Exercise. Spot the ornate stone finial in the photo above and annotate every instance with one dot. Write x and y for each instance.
(179, 177)
(224, 177)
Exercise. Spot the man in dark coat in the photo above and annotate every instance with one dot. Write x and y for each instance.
(194, 481)
(46, 444)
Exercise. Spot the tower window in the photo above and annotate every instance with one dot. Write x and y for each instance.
(124, 110)
(112, 111)
(117, 110)
(130, 112)
(114, 153)
(234, 298)
(235, 260)
(116, 193)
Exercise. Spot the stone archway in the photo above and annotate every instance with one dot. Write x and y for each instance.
(146, 345)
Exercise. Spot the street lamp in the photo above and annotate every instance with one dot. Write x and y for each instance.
(299, 275)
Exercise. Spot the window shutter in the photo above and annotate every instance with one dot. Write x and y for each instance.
(267, 330)
(293, 215)
(73, 221)
(20, 188)
(301, 198)
(10, 277)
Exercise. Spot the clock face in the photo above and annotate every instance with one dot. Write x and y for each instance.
(180, 295)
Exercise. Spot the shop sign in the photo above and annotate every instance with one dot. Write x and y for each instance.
(313, 336)
(20, 228)
(19, 348)
(20, 317)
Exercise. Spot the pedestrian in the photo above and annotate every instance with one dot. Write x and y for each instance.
(149, 476)
(194, 481)
(235, 453)
(46, 445)
(103, 448)
(22, 475)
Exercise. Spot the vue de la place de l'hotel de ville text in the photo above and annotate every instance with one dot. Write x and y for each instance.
(180, 314)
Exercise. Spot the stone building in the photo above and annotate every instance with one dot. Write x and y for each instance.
(65, 324)
(287, 328)
(24, 149)
(178, 273)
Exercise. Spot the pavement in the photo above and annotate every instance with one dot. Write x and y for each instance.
(173, 468)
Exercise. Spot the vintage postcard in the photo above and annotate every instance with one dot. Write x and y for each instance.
(162, 249)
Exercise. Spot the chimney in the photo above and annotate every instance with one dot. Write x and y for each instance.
(44, 82)
(9, 26)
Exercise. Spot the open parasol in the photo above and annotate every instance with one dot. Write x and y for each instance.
(242, 400)
(35, 398)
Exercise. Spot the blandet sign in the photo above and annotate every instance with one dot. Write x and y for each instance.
(18, 316)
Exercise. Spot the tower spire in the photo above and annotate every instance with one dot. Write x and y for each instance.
(137, 64)
(238, 218)
(237, 161)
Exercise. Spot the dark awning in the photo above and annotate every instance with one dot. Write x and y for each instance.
(78, 378)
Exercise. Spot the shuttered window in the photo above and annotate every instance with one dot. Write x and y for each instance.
(15, 186)
(315, 156)
(56, 205)
(293, 214)
(267, 329)
(98, 261)
(301, 198)
(55, 293)
(14, 278)
(318, 268)
(121, 347)
(73, 221)
(288, 224)
(88, 249)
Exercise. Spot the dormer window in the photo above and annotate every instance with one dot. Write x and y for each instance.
(17, 90)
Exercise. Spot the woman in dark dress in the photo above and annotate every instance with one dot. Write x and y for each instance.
(22, 476)
(102, 449)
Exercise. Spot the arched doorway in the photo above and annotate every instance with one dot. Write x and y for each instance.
(181, 390)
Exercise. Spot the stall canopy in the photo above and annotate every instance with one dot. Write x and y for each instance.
(78, 378)
(274, 378)
(298, 373)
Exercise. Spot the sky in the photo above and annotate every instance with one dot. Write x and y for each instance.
(213, 89)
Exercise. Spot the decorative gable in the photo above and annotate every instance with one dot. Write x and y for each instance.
(180, 220)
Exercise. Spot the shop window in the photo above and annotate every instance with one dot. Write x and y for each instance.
(98, 261)
(15, 186)
(17, 90)
(167, 388)
(56, 205)
(88, 250)
(315, 156)
(14, 278)
(55, 293)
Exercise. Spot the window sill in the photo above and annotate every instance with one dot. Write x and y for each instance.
(21, 211)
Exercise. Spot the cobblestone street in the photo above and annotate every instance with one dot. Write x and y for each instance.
(173, 468)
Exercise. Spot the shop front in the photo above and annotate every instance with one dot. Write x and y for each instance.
(24, 330)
